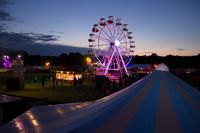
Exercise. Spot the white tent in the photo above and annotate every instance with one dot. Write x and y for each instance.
(162, 67)
(159, 103)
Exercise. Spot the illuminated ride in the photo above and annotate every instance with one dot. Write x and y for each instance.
(6, 62)
(112, 46)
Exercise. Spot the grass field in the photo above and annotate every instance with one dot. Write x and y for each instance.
(87, 91)
(65, 94)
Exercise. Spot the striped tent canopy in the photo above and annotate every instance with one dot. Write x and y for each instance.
(159, 103)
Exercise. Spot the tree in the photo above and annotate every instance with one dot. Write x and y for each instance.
(63, 59)
(75, 59)
(154, 54)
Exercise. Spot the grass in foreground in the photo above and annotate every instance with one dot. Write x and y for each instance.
(66, 94)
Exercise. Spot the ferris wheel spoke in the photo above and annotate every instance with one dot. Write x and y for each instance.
(107, 30)
(103, 50)
(110, 32)
(109, 61)
(122, 61)
(125, 36)
(102, 29)
(100, 45)
(127, 60)
(114, 27)
(120, 34)
(122, 46)
(103, 39)
(106, 53)
(123, 42)
(105, 36)
(117, 62)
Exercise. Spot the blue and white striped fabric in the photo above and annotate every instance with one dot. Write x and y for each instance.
(159, 103)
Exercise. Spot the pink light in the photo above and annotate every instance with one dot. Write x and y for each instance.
(6, 61)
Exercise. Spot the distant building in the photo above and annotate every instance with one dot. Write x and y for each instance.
(140, 68)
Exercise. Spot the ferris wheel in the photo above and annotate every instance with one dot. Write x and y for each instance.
(112, 45)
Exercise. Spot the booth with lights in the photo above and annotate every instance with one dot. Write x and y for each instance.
(67, 76)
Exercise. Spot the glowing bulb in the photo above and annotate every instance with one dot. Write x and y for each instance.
(117, 43)
(88, 60)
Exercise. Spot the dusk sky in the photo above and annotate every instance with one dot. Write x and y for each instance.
(160, 26)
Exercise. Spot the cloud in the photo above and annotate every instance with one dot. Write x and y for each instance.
(4, 2)
(56, 32)
(24, 38)
(181, 49)
(35, 43)
(36, 37)
(2, 28)
(4, 15)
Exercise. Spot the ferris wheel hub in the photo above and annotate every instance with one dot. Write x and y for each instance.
(117, 43)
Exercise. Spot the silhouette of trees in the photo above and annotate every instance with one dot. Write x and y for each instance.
(77, 59)
(35, 60)
(171, 60)
(63, 59)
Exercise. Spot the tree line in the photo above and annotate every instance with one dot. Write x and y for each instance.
(171, 60)
(79, 59)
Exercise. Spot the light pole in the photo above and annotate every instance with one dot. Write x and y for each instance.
(47, 65)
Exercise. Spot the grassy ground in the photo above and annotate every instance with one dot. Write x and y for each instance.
(66, 94)
(87, 91)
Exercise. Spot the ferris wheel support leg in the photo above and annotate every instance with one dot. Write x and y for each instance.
(122, 61)
(109, 62)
